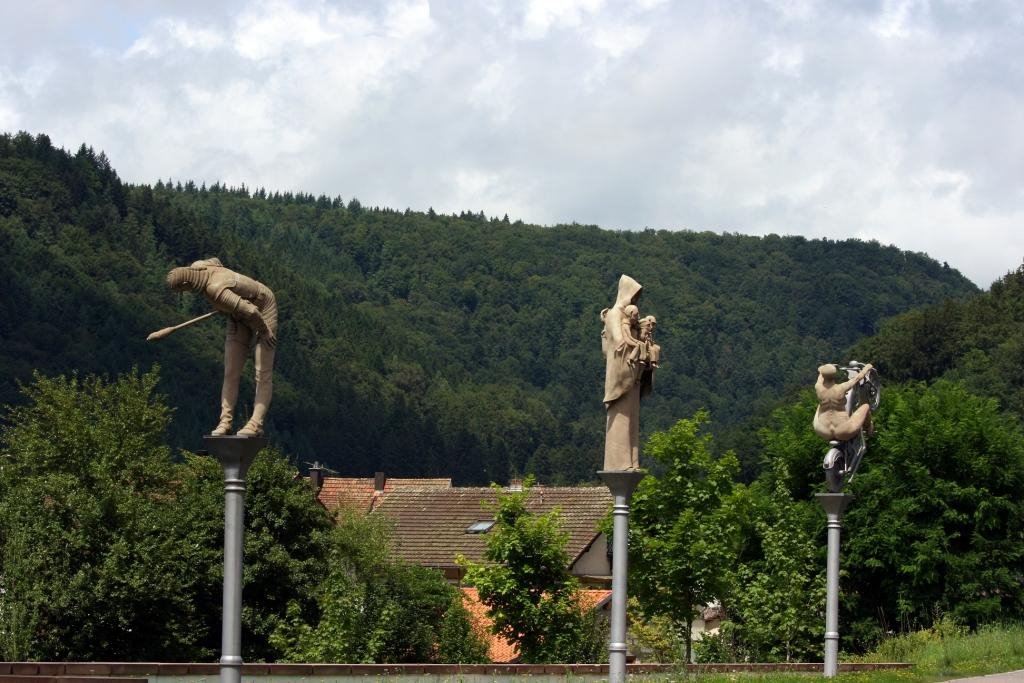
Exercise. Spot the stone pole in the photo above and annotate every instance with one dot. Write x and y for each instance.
(834, 504)
(235, 454)
(621, 483)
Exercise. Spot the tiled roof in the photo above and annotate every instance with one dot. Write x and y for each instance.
(500, 650)
(430, 523)
(358, 493)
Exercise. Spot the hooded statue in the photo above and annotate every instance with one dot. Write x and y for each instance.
(252, 323)
(625, 380)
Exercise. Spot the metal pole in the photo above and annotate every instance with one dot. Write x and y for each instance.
(834, 504)
(621, 485)
(235, 454)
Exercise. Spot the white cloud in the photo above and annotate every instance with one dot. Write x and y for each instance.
(143, 46)
(542, 15)
(619, 39)
(897, 122)
(170, 34)
(895, 19)
(273, 27)
(193, 38)
(409, 20)
(793, 10)
(785, 59)
(8, 117)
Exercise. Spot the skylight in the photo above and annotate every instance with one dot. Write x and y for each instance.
(480, 527)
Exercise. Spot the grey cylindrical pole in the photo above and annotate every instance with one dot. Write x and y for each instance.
(621, 485)
(234, 527)
(235, 455)
(834, 504)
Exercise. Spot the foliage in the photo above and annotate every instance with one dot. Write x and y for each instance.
(978, 340)
(938, 518)
(458, 638)
(460, 345)
(372, 608)
(948, 649)
(723, 646)
(286, 549)
(791, 453)
(125, 560)
(944, 651)
(681, 534)
(117, 563)
(778, 603)
(533, 600)
(655, 638)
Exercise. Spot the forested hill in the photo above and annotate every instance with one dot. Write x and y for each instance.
(419, 343)
(978, 340)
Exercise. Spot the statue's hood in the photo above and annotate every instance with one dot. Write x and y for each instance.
(629, 291)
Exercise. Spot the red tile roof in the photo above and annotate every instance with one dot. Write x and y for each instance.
(500, 650)
(430, 523)
(358, 493)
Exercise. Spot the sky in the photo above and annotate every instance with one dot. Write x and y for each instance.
(896, 121)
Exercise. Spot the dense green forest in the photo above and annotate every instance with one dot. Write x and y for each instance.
(421, 343)
(978, 340)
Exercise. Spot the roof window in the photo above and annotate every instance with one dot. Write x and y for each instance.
(480, 527)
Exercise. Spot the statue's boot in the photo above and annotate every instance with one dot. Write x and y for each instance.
(234, 359)
(251, 428)
(264, 390)
(223, 427)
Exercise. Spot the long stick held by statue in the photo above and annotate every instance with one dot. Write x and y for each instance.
(160, 334)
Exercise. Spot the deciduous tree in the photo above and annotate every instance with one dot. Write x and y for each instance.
(683, 538)
(533, 600)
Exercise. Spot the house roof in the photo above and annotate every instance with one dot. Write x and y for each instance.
(358, 493)
(430, 523)
(500, 650)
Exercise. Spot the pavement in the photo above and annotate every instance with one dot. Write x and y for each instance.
(1008, 677)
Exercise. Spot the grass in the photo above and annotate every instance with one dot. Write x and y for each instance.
(948, 651)
(880, 676)
(943, 652)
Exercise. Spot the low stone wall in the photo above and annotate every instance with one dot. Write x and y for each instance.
(164, 672)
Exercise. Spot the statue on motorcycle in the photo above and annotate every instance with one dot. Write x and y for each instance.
(843, 415)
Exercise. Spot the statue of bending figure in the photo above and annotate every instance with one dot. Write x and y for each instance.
(252, 322)
(830, 419)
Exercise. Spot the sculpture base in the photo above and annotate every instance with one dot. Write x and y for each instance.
(235, 455)
(834, 504)
(622, 483)
(235, 452)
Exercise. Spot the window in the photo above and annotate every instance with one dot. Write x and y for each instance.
(480, 527)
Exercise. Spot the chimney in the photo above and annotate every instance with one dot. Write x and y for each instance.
(515, 485)
(316, 476)
(378, 482)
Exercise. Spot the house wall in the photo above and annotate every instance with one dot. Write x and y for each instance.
(594, 562)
